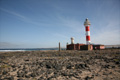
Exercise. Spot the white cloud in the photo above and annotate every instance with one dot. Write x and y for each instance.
(13, 13)
(61, 36)
(21, 17)
(108, 34)
(7, 45)
(71, 23)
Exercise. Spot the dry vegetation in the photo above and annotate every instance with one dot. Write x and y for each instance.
(64, 65)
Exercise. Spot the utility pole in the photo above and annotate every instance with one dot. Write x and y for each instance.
(59, 47)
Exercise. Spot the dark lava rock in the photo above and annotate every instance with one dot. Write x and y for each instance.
(25, 72)
(106, 66)
(20, 74)
(41, 78)
(14, 69)
(42, 71)
(50, 78)
(69, 66)
(33, 74)
(4, 72)
(49, 71)
(117, 62)
(57, 66)
(56, 74)
(19, 66)
(66, 74)
(26, 60)
(113, 66)
(20, 79)
(0, 76)
(42, 64)
(80, 66)
(8, 78)
(27, 76)
(11, 78)
(88, 78)
(13, 66)
(104, 73)
(49, 66)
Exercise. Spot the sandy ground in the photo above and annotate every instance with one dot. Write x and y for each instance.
(64, 65)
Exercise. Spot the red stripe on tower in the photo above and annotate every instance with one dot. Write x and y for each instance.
(87, 38)
(87, 28)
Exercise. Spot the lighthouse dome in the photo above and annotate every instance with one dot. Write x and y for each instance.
(87, 22)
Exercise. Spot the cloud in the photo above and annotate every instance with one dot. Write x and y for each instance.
(21, 17)
(106, 38)
(7, 45)
(73, 24)
(110, 34)
(13, 13)
(61, 35)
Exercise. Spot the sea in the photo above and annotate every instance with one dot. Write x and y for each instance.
(27, 49)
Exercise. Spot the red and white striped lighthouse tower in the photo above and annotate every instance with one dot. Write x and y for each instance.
(87, 28)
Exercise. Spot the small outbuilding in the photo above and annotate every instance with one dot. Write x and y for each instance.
(74, 46)
(98, 47)
(78, 46)
(86, 47)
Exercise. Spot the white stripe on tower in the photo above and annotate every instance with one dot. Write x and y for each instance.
(87, 28)
(88, 33)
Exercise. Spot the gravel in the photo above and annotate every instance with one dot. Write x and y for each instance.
(64, 65)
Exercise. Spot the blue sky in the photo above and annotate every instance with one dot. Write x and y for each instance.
(45, 23)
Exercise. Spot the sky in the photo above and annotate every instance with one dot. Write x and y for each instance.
(45, 23)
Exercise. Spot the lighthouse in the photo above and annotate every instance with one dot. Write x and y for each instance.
(87, 28)
(88, 45)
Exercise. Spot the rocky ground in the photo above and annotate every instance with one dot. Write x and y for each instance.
(64, 65)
